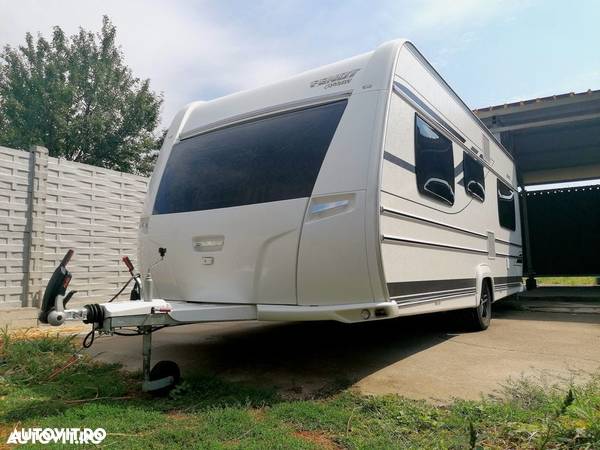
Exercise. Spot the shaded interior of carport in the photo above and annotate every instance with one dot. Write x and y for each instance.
(555, 140)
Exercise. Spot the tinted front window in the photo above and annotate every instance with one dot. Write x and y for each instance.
(474, 179)
(506, 206)
(265, 160)
(434, 163)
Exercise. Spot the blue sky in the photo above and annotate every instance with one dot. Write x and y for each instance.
(490, 51)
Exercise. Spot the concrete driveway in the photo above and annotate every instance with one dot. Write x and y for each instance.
(419, 357)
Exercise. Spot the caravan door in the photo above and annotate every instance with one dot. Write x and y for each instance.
(230, 205)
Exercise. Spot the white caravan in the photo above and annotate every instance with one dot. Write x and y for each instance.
(365, 189)
(359, 191)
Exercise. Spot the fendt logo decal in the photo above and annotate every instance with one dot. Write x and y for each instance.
(334, 80)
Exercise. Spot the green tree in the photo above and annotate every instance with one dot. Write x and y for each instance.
(76, 96)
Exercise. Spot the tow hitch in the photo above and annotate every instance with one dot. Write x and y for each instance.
(140, 317)
(55, 300)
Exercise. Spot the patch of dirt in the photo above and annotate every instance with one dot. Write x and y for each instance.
(177, 415)
(257, 414)
(45, 331)
(319, 439)
(5, 431)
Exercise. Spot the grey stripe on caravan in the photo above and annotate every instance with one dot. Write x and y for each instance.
(396, 213)
(409, 291)
(404, 93)
(410, 167)
(399, 162)
(417, 54)
(501, 287)
(508, 280)
(458, 169)
(401, 89)
(449, 293)
(432, 297)
(430, 287)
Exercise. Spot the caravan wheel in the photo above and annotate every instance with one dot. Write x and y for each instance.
(164, 369)
(478, 319)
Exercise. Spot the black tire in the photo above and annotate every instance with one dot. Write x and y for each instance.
(478, 319)
(163, 369)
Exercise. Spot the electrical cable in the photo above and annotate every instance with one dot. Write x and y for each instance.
(121, 291)
(88, 340)
(120, 333)
(139, 333)
(97, 314)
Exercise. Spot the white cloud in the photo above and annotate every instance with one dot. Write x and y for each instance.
(455, 25)
(445, 53)
(433, 14)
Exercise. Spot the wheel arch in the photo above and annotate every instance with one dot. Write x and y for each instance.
(483, 275)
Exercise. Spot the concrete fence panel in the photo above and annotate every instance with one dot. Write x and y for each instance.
(49, 205)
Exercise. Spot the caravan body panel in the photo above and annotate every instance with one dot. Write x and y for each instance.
(432, 249)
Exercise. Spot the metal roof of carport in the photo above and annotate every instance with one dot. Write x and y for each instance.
(553, 139)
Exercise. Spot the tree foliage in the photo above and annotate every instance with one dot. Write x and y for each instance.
(76, 96)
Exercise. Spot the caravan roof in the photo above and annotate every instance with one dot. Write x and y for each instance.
(369, 71)
(330, 80)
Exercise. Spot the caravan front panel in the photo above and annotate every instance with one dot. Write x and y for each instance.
(230, 205)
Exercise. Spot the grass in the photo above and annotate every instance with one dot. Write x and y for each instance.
(43, 385)
(567, 281)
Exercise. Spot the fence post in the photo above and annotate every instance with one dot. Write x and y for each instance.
(36, 221)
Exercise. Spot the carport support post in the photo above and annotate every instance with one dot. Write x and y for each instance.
(507, 139)
(146, 356)
(531, 282)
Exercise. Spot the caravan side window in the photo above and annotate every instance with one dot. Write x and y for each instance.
(506, 206)
(434, 163)
(474, 179)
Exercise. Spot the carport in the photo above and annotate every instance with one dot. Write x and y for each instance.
(555, 140)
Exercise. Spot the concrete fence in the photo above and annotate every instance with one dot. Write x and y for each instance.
(49, 205)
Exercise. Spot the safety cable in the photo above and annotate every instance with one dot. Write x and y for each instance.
(139, 333)
(121, 291)
(88, 340)
(133, 333)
